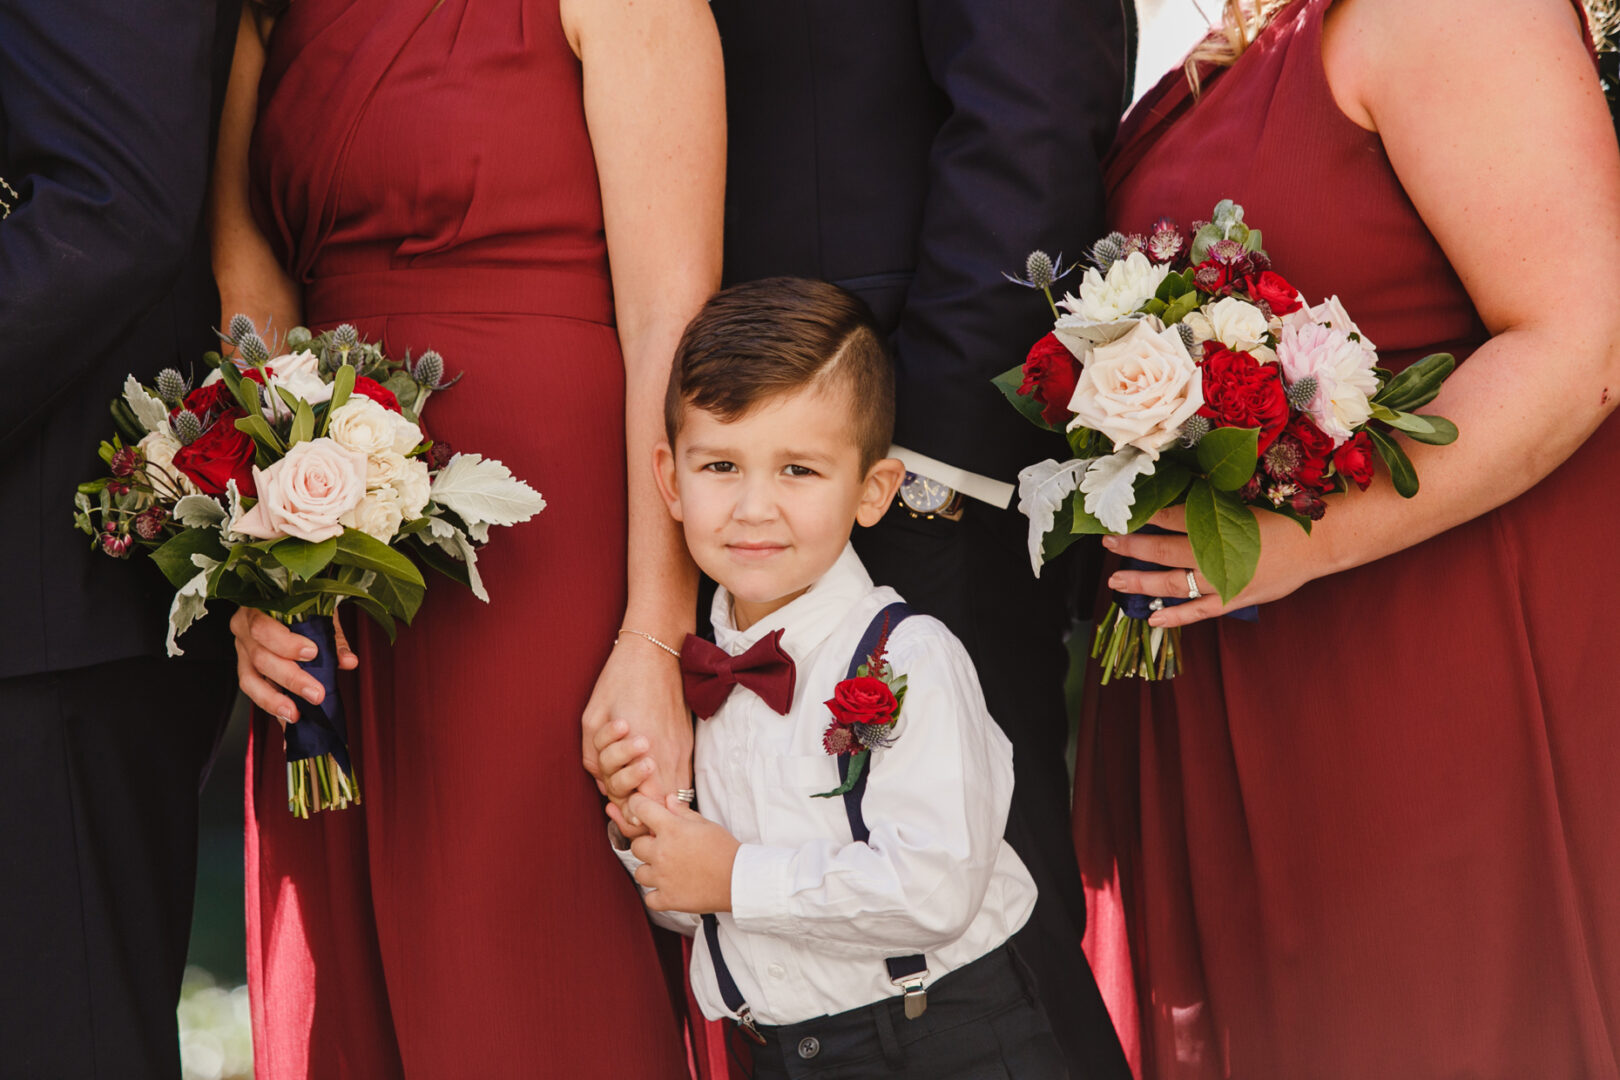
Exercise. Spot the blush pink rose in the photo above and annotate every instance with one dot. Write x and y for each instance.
(305, 493)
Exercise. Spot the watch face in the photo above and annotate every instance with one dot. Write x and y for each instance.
(924, 496)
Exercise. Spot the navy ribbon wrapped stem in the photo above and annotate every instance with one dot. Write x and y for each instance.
(1137, 606)
(321, 729)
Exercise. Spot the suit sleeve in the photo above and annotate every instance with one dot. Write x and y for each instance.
(104, 117)
(1035, 90)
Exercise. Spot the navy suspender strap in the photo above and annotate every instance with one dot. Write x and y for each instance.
(904, 971)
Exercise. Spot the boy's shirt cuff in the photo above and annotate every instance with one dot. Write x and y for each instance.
(760, 890)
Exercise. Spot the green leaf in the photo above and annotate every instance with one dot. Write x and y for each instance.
(263, 434)
(246, 391)
(1225, 538)
(1154, 306)
(1180, 308)
(1417, 385)
(435, 558)
(355, 548)
(1443, 432)
(1172, 286)
(378, 615)
(1228, 456)
(857, 765)
(303, 425)
(1395, 460)
(126, 423)
(342, 387)
(1008, 383)
(401, 598)
(303, 558)
(1412, 424)
(174, 557)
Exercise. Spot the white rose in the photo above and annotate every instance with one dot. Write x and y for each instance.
(1238, 325)
(1343, 370)
(305, 493)
(302, 362)
(303, 385)
(1202, 329)
(1131, 282)
(159, 448)
(364, 426)
(1139, 390)
(384, 469)
(214, 376)
(414, 488)
(377, 514)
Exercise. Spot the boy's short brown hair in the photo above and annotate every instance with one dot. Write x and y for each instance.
(755, 341)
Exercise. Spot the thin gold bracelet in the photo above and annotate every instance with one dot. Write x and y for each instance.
(626, 630)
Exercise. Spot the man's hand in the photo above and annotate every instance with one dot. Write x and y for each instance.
(687, 859)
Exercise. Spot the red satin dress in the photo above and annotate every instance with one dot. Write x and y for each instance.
(423, 169)
(1377, 832)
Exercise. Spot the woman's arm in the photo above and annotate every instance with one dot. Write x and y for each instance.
(251, 280)
(1494, 121)
(655, 104)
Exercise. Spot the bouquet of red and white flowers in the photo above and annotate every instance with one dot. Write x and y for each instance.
(291, 484)
(1193, 373)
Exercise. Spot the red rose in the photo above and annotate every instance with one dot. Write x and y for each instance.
(1315, 450)
(377, 392)
(1354, 460)
(219, 455)
(862, 700)
(207, 401)
(1239, 391)
(1050, 373)
(1281, 297)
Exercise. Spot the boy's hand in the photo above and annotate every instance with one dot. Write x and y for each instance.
(687, 858)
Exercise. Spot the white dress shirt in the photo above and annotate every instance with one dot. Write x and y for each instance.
(813, 913)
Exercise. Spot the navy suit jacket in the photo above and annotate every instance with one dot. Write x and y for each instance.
(912, 151)
(108, 110)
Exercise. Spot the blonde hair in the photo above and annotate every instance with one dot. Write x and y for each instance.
(1242, 21)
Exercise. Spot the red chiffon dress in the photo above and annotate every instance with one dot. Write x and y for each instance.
(423, 169)
(1377, 832)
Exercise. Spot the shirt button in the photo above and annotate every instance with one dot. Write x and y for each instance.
(777, 971)
(809, 1047)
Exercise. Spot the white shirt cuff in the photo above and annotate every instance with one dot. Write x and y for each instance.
(974, 486)
(759, 889)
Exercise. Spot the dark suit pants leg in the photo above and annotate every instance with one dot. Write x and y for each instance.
(974, 576)
(98, 852)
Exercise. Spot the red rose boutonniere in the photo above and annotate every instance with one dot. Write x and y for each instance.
(864, 711)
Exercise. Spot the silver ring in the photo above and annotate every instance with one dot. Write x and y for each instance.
(686, 795)
(1192, 587)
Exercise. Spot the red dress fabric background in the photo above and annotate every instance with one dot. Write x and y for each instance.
(1377, 832)
(424, 169)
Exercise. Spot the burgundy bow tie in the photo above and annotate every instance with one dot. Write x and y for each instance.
(708, 673)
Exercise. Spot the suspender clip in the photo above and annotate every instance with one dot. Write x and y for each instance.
(916, 994)
(745, 1020)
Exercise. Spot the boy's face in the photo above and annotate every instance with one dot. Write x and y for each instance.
(767, 501)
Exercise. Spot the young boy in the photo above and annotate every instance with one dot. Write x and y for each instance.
(847, 877)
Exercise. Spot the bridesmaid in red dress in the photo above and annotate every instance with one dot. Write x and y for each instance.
(455, 175)
(1377, 833)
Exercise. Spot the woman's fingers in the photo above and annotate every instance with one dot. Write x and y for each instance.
(1165, 583)
(272, 636)
(259, 691)
(347, 661)
(1207, 607)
